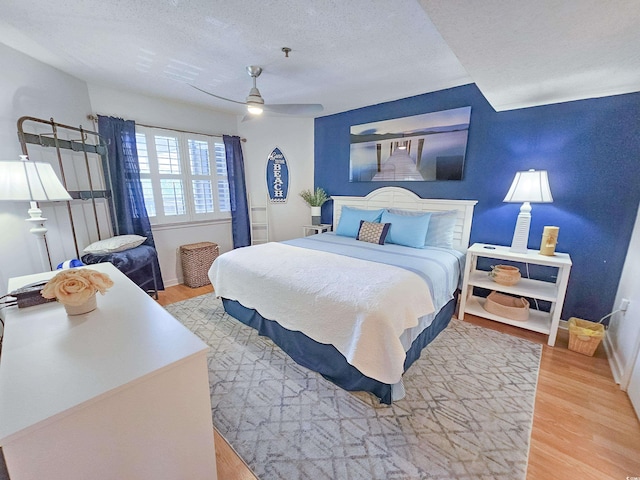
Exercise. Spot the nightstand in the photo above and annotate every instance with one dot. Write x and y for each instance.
(553, 292)
(325, 227)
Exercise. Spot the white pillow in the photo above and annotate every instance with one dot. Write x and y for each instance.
(441, 227)
(118, 243)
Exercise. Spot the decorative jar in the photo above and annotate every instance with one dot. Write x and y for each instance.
(505, 274)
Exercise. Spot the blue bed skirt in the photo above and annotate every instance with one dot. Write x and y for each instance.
(325, 359)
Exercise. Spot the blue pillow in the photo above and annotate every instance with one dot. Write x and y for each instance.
(407, 230)
(349, 223)
(441, 226)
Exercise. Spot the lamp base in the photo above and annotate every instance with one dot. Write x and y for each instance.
(40, 231)
(521, 232)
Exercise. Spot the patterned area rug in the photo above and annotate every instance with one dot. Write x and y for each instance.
(467, 413)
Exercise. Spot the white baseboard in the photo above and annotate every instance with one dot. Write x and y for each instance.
(172, 282)
(617, 368)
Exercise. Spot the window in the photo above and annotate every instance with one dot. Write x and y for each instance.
(183, 175)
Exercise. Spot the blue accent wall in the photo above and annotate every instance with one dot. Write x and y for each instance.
(591, 149)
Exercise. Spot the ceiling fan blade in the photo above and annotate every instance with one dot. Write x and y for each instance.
(217, 96)
(294, 108)
(281, 108)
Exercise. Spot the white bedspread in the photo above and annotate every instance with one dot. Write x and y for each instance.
(362, 309)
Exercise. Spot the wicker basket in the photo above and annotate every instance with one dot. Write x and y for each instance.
(584, 336)
(505, 274)
(515, 308)
(196, 261)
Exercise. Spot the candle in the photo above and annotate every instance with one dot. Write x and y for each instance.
(549, 240)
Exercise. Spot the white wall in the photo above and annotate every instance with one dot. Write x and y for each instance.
(294, 137)
(32, 88)
(164, 113)
(28, 87)
(622, 340)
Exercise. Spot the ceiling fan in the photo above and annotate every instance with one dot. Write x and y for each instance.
(255, 103)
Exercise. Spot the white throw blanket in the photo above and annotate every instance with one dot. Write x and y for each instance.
(358, 306)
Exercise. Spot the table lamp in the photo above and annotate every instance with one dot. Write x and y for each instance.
(33, 182)
(527, 187)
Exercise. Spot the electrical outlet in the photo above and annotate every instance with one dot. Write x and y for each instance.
(624, 304)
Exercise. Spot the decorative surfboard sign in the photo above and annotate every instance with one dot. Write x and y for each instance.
(277, 177)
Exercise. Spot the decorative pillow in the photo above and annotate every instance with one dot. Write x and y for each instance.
(118, 243)
(349, 223)
(441, 226)
(373, 232)
(408, 230)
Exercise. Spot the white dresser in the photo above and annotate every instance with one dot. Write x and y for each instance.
(119, 393)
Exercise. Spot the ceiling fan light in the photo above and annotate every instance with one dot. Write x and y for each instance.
(255, 102)
(254, 109)
(255, 97)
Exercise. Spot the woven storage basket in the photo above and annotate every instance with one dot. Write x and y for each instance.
(584, 336)
(507, 306)
(196, 261)
(505, 274)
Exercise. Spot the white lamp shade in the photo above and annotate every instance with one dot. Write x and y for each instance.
(30, 181)
(530, 186)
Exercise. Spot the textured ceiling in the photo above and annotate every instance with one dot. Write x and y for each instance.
(345, 54)
(523, 53)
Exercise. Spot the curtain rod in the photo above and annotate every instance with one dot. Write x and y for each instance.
(94, 118)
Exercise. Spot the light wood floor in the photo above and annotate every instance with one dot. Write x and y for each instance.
(584, 426)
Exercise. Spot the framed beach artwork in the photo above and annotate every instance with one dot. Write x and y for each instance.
(420, 148)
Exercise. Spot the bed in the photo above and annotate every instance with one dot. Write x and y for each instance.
(358, 312)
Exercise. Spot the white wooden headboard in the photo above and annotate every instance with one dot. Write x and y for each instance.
(401, 198)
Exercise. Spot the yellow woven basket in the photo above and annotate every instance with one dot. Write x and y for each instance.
(584, 336)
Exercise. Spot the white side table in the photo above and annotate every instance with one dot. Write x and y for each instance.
(553, 292)
(313, 229)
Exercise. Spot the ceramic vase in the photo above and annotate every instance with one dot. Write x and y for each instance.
(315, 215)
(89, 306)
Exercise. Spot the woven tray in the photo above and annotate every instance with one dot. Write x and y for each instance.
(515, 308)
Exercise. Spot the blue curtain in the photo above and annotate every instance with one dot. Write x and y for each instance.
(238, 192)
(122, 172)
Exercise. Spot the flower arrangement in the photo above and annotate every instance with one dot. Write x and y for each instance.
(76, 286)
(314, 198)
